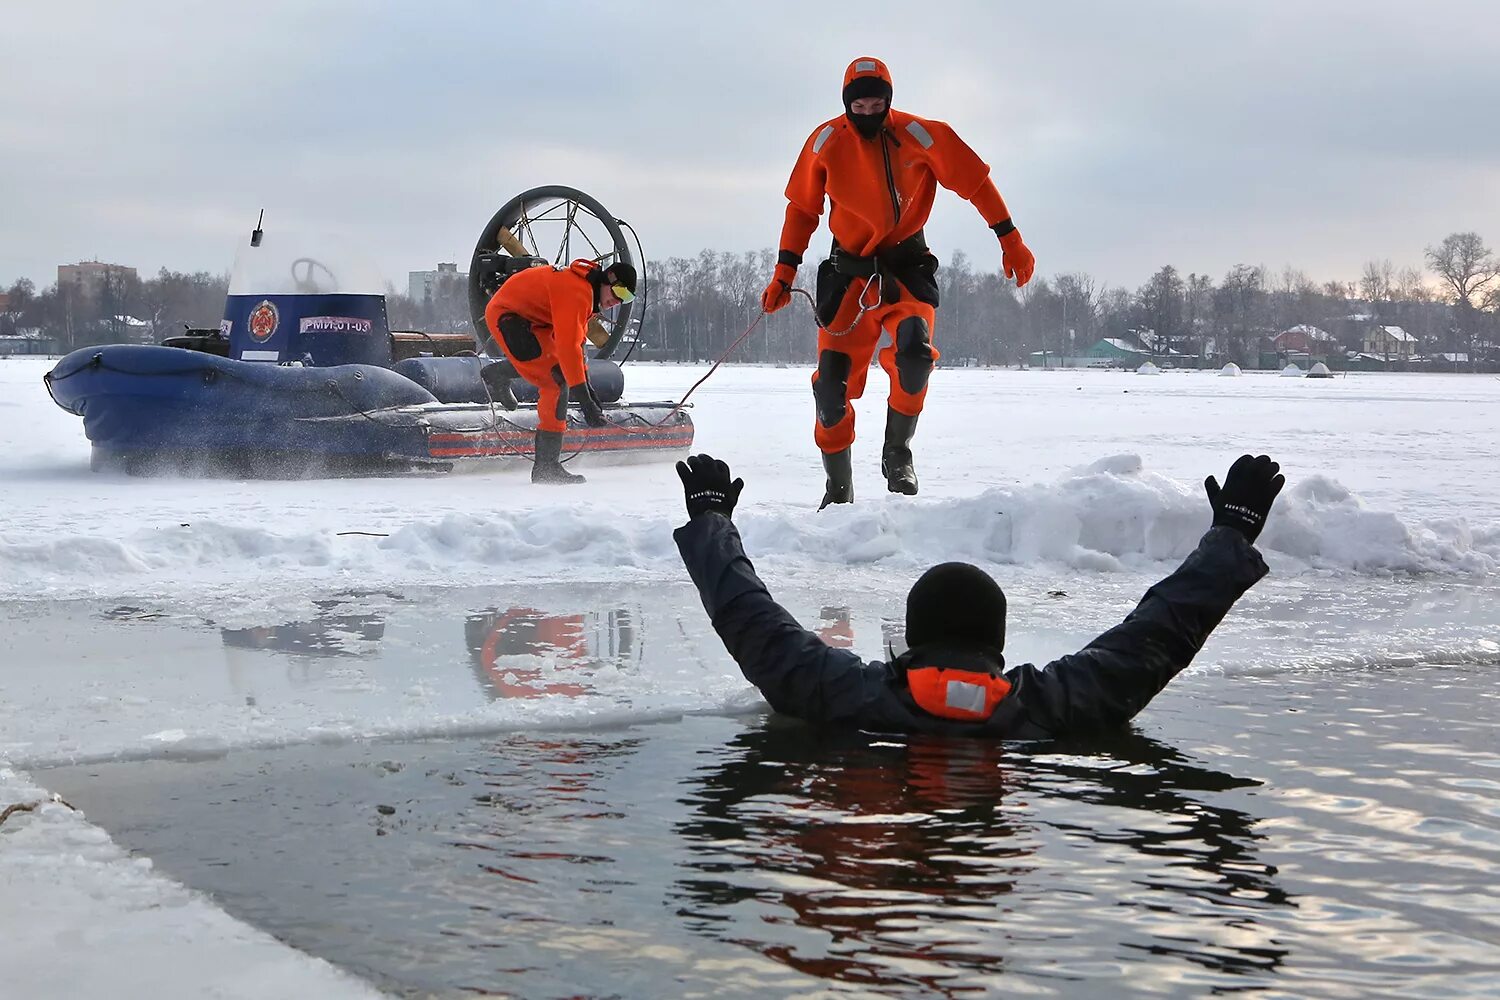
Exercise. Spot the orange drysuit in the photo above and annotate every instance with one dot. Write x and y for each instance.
(880, 193)
(539, 317)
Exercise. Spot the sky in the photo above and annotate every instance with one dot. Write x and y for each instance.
(1318, 133)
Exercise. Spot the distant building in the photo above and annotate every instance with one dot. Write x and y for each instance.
(1117, 349)
(1389, 342)
(88, 278)
(1305, 339)
(422, 285)
(4, 303)
(26, 340)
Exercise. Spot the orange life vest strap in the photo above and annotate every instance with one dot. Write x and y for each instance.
(965, 695)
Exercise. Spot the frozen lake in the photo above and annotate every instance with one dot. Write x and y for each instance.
(167, 633)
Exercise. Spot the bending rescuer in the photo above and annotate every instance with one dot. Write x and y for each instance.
(878, 169)
(539, 318)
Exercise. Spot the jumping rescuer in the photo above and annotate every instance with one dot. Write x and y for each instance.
(953, 679)
(878, 169)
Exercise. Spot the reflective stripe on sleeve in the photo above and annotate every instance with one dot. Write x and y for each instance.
(919, 132)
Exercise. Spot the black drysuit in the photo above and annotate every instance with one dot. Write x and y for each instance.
(1100, 687)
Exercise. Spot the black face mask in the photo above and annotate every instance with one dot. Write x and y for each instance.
(868, 126)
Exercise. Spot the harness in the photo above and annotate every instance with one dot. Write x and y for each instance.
(909, 263)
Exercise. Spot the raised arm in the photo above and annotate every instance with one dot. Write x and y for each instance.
(1109, 681)
(798, 673)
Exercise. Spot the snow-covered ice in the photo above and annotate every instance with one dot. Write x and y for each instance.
(119, 594)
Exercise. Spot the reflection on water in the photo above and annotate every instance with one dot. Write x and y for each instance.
(517, 652)
(329, 634)
(836, 627)
(915, 858)
(1310, 834)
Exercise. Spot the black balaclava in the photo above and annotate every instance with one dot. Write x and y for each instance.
(867, 86)
(956, 604)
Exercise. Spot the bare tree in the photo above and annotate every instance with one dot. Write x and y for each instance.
(1079, 309)
(1241, 308)
(1377, 284)
(1161, 303)
(1197, 311)
(1467, 266)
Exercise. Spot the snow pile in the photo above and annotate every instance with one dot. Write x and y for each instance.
(1319, 370)
(80, 913)
(1148, 369)
(1321, 523)
(1230, 370)
(1110, 515)
(1292, 371)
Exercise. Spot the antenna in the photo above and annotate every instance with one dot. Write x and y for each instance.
(256, 234)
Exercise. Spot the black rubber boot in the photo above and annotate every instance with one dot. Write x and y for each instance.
(840, 485)
(497, 380)
(547, 468)
(895, 457)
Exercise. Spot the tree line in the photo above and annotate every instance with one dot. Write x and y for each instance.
(695, 307)
(699, 305)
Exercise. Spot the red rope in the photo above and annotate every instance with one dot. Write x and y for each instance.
(725, 356)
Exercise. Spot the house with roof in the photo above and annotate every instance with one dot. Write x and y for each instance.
(1389, 342)
(1304, 338)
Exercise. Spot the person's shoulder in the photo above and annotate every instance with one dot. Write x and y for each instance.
(826, 135)
(926, 132)
(572, 280)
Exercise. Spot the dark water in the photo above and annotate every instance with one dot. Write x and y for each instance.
(1332, 834)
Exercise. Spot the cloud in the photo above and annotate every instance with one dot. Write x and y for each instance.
(1124, 136)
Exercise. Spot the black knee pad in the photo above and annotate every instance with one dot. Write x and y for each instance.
(831, 390)
(562, 392)
(520, 343)
(913, 354)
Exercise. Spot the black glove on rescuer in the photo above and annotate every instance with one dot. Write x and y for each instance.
(593, 413)
(706, 486)
(1246, 497)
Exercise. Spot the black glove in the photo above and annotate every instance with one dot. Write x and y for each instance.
(583, 395)
(706, 485)
(1247, 495)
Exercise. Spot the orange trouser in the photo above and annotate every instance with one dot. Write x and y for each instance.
(844, 362)
(540, 368)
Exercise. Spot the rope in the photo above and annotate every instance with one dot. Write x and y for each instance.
(722, 358)
(756, 322)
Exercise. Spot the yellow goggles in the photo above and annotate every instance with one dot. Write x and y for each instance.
(622, 293)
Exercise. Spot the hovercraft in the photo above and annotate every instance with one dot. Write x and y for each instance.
(304, 376)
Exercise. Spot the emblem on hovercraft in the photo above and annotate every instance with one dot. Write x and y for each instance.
(264, 319)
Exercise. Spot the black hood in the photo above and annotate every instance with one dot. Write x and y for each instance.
(956, 604)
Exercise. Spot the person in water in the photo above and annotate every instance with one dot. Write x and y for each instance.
(539, 318)
(952, 679)
(878, 169)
